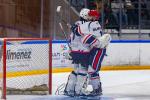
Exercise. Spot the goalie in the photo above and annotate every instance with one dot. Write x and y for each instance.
(88, 49)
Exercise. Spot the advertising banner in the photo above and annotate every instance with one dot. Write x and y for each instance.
(59, 53)
(25, 55)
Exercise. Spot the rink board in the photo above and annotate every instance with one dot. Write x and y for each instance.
(122, 60)
(119, 53)
(26, 57)
(122, 55)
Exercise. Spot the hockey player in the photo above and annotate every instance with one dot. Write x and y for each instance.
(97, 52)
(88, 30)
(83, 40)
(79, 54)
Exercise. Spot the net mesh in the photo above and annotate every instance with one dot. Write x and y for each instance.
(27, 66)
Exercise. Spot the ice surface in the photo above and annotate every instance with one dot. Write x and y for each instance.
(117, 85)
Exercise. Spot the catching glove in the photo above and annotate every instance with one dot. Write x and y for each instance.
(104, 40)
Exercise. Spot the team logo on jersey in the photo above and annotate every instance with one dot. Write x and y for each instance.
(97, 28)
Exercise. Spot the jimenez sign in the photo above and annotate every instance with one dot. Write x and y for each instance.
(27, 56)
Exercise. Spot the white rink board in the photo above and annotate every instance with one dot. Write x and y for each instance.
(38, 59)
(27, 55)
(59, 52)
(122, 54)
(119, 53)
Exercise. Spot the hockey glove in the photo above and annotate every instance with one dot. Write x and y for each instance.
(104, 40)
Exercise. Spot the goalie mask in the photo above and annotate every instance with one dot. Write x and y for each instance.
(88, 14)
(84, 13)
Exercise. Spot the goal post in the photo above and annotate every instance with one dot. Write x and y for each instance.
(25, 66)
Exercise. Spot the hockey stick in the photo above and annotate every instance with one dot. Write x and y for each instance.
(61, 26)
(65, 36)
(59, 13)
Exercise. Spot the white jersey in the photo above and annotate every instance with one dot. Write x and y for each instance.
(76, 41)
(91, 27)
(90, 31)
(86, 36)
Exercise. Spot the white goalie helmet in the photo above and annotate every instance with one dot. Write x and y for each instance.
(88, 14)
(84, 13)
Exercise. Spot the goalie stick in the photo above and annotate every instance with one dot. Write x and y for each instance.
(58, 10)
(65, 35)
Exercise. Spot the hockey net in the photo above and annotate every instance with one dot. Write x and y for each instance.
(25, 66)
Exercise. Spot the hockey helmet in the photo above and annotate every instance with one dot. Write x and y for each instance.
(84, 13)
(88, 14)
(94, 14)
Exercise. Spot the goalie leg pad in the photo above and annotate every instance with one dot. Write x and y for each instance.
(80, 84)
(94, 80)
(81, 79)
(70, 86)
